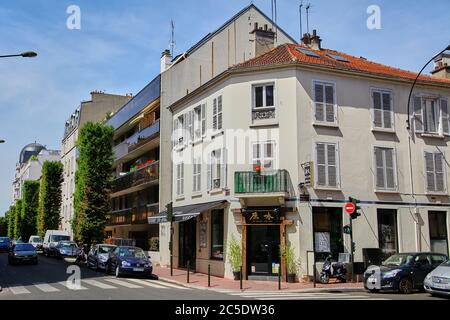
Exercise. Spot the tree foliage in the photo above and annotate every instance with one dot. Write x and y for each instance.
(3, 226)
(10, 218)
(30, 202)
(17, 219)
(50, 197)
(93, 182)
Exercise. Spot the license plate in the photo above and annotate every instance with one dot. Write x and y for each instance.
(138, 269)
(372, 280)
(439, 285)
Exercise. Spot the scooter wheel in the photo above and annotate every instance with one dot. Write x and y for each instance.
(324, 279)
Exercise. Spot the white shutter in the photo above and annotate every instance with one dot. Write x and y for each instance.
(199, 174)
(379, 169)
(215, 114)
(439, 172)
(418, 114)
(182, 178)
(184, 129)
(390, 168)
(203, 111)
(175, 132)
(377, 110)
(219, 113)
(332, 165)
(387, 111)
(209, 172)
(192, 123)
(223, 168)
(321, 164)
(319, 102)
(178, 180)
(329, 100)
(429, 168)
(444, 117)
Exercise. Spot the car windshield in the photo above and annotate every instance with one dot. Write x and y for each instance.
(131, 253)
(105, 249)
(4, 240)
(24, 247)
(68, 245)
(56, 238)
(397, 260)
(36, 239)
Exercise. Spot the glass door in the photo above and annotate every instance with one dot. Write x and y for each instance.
(263, 250)
(187, 243)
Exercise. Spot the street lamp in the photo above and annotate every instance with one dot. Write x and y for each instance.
(408, 122)
(27, 54)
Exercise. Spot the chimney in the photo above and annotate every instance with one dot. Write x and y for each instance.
(442, 66)
(166, 60)
(263, 39)
(315, 41)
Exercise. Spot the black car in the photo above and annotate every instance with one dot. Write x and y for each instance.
(402, 272)
(22, 253)
(130, 261)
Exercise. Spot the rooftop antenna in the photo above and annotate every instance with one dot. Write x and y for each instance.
(301, 26)
(307, 17)
(172, 38)
(275, 17)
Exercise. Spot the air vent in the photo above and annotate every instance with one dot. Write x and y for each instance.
(307, 52)
(337, 57)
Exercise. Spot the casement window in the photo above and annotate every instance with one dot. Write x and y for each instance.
(264, 155)
(180, 179)
(325, 102)
(217, 113)
(179, 130)
(190, 126)
(435, 172)
(431, 115)
(198, 122)
(217, 170)
(385, 169)
(197, 176)
(327, 165)
(437, 221)
(263, 106)
(382, 109)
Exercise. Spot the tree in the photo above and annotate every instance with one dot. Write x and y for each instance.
(50, 197)
(30, 202)
(10, 220)
(3, 226)
(17, 219)
(93, 182)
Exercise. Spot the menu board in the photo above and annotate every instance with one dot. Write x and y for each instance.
(322, 241)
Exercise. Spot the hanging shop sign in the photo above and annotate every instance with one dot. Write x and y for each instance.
(261, 216)
(308, 171)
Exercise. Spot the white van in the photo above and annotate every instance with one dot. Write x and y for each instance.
(51, 239)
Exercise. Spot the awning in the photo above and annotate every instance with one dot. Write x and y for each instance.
(185, 213)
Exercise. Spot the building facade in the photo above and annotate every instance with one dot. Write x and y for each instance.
(135, 190)
(97, 109)
(269, 151)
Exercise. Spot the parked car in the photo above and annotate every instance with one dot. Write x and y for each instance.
(22, 253)
(67, 249)
(437, 282)
(5, 244)
(36, 242)
(51, 239)
(99, 255)
(130, 261)
(402, 272)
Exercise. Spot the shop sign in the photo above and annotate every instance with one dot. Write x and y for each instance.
(261, 216)
(308, 171)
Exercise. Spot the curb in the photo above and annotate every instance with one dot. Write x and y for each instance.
(319, 290)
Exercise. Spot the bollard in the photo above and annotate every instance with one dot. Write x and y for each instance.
(240, 278)
(209, 275)
(279, 277)
(315, 272)
(187, 272)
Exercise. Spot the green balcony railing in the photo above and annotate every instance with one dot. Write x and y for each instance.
(265, 182)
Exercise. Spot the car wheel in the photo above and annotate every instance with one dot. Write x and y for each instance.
(405, 286)
(117, 272)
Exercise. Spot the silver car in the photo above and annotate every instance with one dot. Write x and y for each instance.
(437, 282)
(98, 256)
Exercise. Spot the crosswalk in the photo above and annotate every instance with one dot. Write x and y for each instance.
(303, 296)
(108, 283)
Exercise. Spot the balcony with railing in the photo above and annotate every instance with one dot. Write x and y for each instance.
(269, 182)
(132, 216)
(137, 140)
(137, 180)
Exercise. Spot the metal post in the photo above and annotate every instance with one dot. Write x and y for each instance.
(187, 271)
(171, 249)
(351, 249)
(314, 271)
(240, 279)
(279, 277)
(209, 275)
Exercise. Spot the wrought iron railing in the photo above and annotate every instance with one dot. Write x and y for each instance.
(264, 182)
(144, 175)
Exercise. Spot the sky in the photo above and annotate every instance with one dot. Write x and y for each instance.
(119, 45)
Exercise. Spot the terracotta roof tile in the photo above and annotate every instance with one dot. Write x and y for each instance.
(288, 53)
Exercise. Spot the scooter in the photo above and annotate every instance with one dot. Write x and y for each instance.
(336, 270)
(81, 258)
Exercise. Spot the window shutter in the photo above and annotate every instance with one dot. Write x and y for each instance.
(332, 165)
(178, 179)
(444, 117)
(194, 175)
(203, 111)
(209, 172)
(219, 113)
(439, 171)
(390, 175)
(215, 114)
(183, 129)
(387, 111)
(199, 174)
(182, 178)
(329, 99)
(321, 165)
(377, 112)
(429, 168)
(318, 102)
(418, 114)
(379, 168)
(175, 132)
(192, 122)
(223, 168)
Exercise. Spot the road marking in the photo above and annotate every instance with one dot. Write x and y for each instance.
(170, 285)
(19, 290)
(98, 284)
(147, 283)
(124, 283)
(45, 287)
(72, 286)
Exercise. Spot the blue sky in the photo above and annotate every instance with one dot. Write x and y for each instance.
(120, 42)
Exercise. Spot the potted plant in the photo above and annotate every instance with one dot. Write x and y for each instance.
(234, 254)
(291, 263)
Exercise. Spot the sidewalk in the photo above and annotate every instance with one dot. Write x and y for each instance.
(200, 281)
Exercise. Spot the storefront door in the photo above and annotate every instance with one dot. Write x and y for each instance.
(187, 243)
(263, 250)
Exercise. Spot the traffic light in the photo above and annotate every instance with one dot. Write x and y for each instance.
(169, 208)
(357, 212)
(347, 229)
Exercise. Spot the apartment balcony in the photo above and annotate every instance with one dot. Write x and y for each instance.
(132, 216)
(139, 143)
(136, 181)
(271, 184)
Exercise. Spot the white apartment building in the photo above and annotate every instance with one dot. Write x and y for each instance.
(269, 151)
(97, 109)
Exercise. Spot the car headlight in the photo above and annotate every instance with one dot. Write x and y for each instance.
(125, 264)
(103, 258)
(428, 277)
(391, 274)
(61, 251)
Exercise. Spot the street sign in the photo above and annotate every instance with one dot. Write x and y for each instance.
(350, 207)
(308, 171)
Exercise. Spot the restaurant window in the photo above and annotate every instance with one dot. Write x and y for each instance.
(387, 232)
(217, 226)
(328, 237)
(438, 231)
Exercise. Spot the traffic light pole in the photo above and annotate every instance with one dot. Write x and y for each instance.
(351, 248)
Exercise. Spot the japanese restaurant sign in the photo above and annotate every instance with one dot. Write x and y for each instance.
(261, 216)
